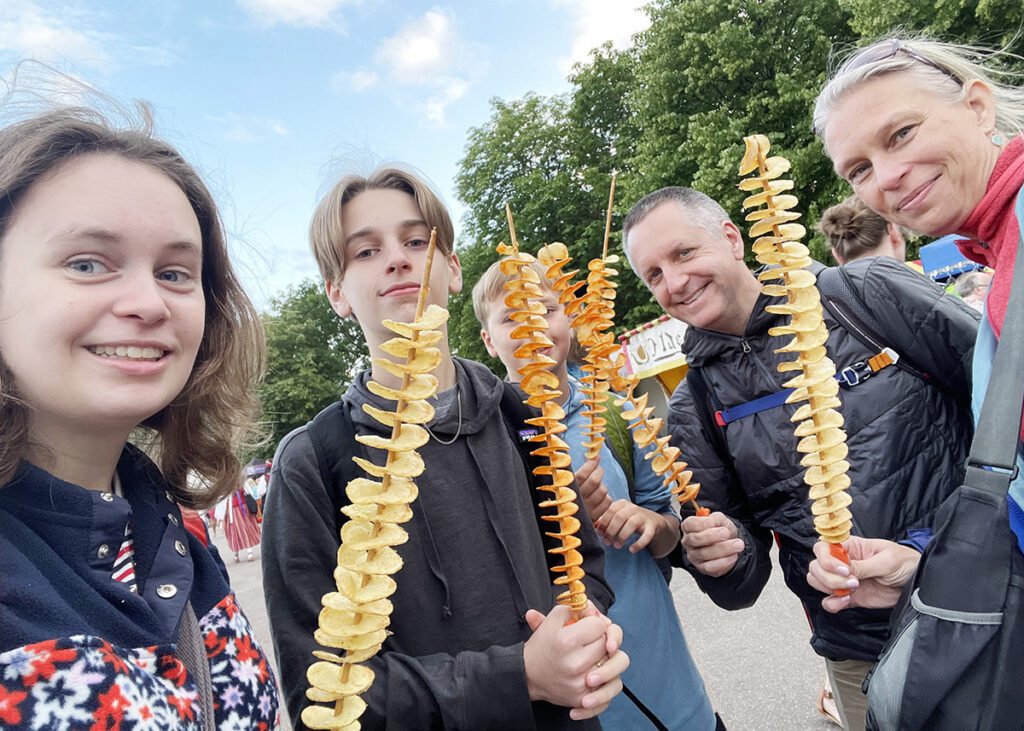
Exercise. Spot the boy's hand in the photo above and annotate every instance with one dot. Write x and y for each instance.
(624, 519)
(576, 666)
(712, 543)
(878, 571)
(590, 480)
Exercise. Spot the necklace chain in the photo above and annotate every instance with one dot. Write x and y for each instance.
(458, 430)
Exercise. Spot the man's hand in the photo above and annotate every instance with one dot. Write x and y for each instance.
(711, 543)
(878, 571)
(590, 480)
(576, 666)
(624, 519)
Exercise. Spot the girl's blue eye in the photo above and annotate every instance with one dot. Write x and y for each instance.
(174, 276)
(87, 266)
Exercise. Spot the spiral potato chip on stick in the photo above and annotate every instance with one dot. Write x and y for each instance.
(355, 617)
(593, 325)
(644, 430)
(524, 302)
(665, 459)
(820, 426)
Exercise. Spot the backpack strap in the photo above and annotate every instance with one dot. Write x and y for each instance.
(332, 434)
(841, 298)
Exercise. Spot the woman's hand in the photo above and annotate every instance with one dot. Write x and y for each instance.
(878, 571)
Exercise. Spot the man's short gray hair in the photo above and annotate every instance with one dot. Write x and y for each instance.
(966, 283)
(703, 210)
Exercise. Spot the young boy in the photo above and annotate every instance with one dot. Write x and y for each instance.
(662, 674)
(469, 647)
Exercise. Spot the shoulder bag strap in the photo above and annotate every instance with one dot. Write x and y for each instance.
(992, 463)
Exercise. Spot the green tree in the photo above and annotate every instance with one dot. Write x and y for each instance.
(551, 159)
(312, 356)
(710, 73)
(990, 23)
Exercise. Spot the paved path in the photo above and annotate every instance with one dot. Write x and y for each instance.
(759, 670)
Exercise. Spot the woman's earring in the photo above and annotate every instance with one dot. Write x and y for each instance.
(998, 140)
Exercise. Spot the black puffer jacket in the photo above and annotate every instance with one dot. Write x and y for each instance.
(908, 441)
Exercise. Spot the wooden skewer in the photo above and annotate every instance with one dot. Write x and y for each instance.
(608, 219)
(511, 228)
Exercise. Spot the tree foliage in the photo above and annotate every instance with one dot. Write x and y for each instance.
(312, 356)
(673, 110)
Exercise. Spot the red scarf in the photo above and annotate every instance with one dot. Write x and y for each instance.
(993, 229)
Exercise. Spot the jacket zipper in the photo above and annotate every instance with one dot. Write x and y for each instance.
(747, 350)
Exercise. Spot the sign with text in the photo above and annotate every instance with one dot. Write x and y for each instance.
(655, 347)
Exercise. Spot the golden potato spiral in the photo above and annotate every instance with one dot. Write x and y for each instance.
(822, 438)
(356, 616)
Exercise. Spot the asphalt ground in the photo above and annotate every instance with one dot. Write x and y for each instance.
(757, 664)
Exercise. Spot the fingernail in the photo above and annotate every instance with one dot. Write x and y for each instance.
(852, 583)
(843, 570)
(574, 715)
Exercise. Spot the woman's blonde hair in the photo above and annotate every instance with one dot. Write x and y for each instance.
(327, 237)
(942, 68)
(853, 230)
(202, 429)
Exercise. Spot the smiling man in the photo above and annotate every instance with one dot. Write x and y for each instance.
(908, 432)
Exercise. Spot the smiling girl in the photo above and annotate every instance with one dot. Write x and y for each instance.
(120, 316)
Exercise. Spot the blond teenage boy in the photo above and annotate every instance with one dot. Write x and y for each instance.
(472, 647)
(662, 673)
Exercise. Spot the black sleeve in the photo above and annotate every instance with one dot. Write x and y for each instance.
(299, 556)
(934, 329)
(719, 492)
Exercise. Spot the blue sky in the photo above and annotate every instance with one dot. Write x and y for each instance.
(273, 98)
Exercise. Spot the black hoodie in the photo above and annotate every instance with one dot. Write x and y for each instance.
(473, 565)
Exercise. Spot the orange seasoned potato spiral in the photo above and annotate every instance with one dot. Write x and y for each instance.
(356, 616)
(597, 329)
(523, 299)
(820, 426)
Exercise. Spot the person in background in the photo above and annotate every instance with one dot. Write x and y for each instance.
(241, 527)
(854, 231)
(124, 333)
(973, 288)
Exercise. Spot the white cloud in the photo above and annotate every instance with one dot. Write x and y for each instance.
(30, 31)
(422, 48)
(425, 63)
(62, 34)
(249, 128)
(451, 90)
(303, 13)
(362, 79)
(597, 21)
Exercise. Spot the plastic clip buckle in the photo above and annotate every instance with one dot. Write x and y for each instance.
(852, 375)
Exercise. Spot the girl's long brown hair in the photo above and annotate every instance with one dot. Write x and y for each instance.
(201, 432)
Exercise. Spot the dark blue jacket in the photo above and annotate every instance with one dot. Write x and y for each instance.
(908, 440)
(76, 646)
